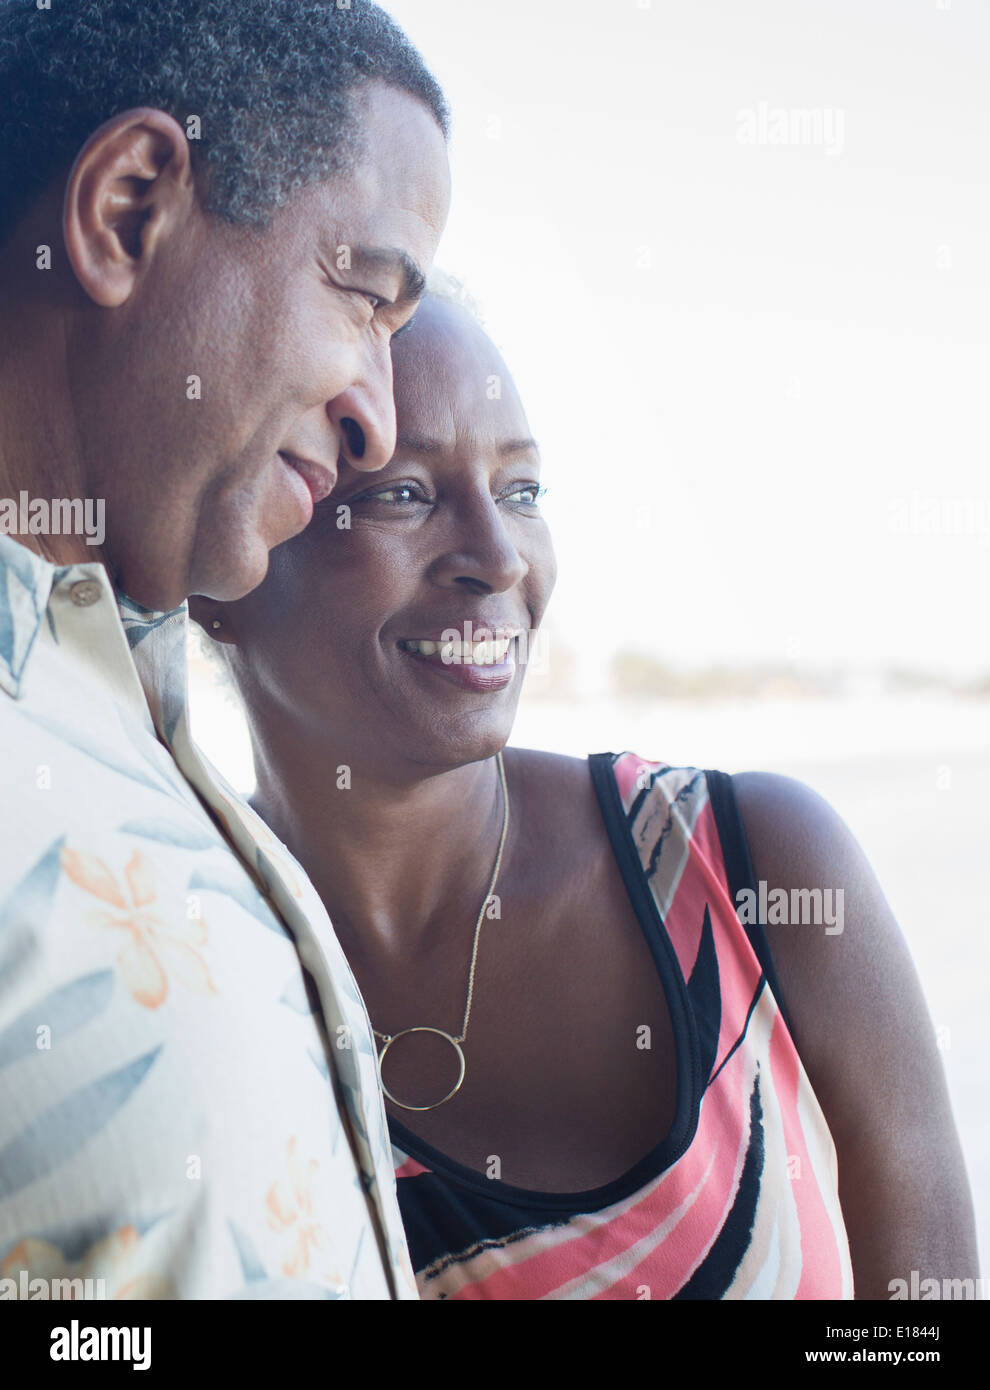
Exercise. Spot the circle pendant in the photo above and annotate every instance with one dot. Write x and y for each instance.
(440, 1034)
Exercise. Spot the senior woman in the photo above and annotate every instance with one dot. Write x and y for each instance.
(600, 1080)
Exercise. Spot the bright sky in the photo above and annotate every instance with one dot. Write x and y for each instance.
(736, 259)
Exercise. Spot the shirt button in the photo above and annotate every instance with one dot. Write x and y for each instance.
(85, 592)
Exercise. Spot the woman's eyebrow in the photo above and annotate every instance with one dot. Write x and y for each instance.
(423, 444)
(417, 443)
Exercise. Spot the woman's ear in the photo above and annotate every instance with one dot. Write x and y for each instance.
(212, 618)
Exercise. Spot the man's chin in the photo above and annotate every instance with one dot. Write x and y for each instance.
(235, 579)
(152, 590)
(225, 578)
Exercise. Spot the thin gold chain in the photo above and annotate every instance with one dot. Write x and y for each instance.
(386, 1037)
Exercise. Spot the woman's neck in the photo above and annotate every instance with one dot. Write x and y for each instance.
(392, 857)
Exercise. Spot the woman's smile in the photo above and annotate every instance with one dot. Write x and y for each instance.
(488, 664)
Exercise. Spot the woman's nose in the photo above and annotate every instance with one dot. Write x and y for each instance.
(484, 557)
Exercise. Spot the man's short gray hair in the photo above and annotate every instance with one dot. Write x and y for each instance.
(270, 81)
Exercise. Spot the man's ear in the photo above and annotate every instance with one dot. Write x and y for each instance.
(212, 618)
(130, 184)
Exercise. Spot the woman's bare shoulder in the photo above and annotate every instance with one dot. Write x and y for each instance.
(863, 1031)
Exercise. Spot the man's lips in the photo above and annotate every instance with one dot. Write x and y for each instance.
(318, 479)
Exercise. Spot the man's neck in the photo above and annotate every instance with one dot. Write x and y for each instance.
(39, 454)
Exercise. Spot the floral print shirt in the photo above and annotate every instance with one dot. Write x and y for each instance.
(189, 1098)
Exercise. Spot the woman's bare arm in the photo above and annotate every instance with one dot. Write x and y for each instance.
(863, 1031)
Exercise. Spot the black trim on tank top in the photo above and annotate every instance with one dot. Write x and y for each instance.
(739, 873)
(687, 1046)
(687, 1052)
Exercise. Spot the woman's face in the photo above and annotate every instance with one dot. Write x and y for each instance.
(365, 629)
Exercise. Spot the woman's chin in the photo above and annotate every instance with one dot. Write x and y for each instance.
(449, 749)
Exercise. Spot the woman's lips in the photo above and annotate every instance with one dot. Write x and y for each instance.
(487, 649)
(486, 665)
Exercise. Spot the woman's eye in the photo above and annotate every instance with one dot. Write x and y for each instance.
(397, 495)
(528, 495)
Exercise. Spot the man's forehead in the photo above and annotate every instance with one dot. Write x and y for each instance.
(397, 194)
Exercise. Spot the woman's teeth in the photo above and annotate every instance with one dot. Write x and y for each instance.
(490, 652)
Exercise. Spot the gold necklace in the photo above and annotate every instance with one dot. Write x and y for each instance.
(389, 1038)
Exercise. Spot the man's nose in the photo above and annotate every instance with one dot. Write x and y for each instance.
(365, 413)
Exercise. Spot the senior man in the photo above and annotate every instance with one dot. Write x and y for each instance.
(214, 217)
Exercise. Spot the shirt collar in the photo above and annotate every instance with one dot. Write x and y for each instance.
(25, 586)
(156, 639)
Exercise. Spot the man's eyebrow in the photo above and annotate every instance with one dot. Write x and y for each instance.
(393, 258)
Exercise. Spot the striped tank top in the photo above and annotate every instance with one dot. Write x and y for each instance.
(740, 1199)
